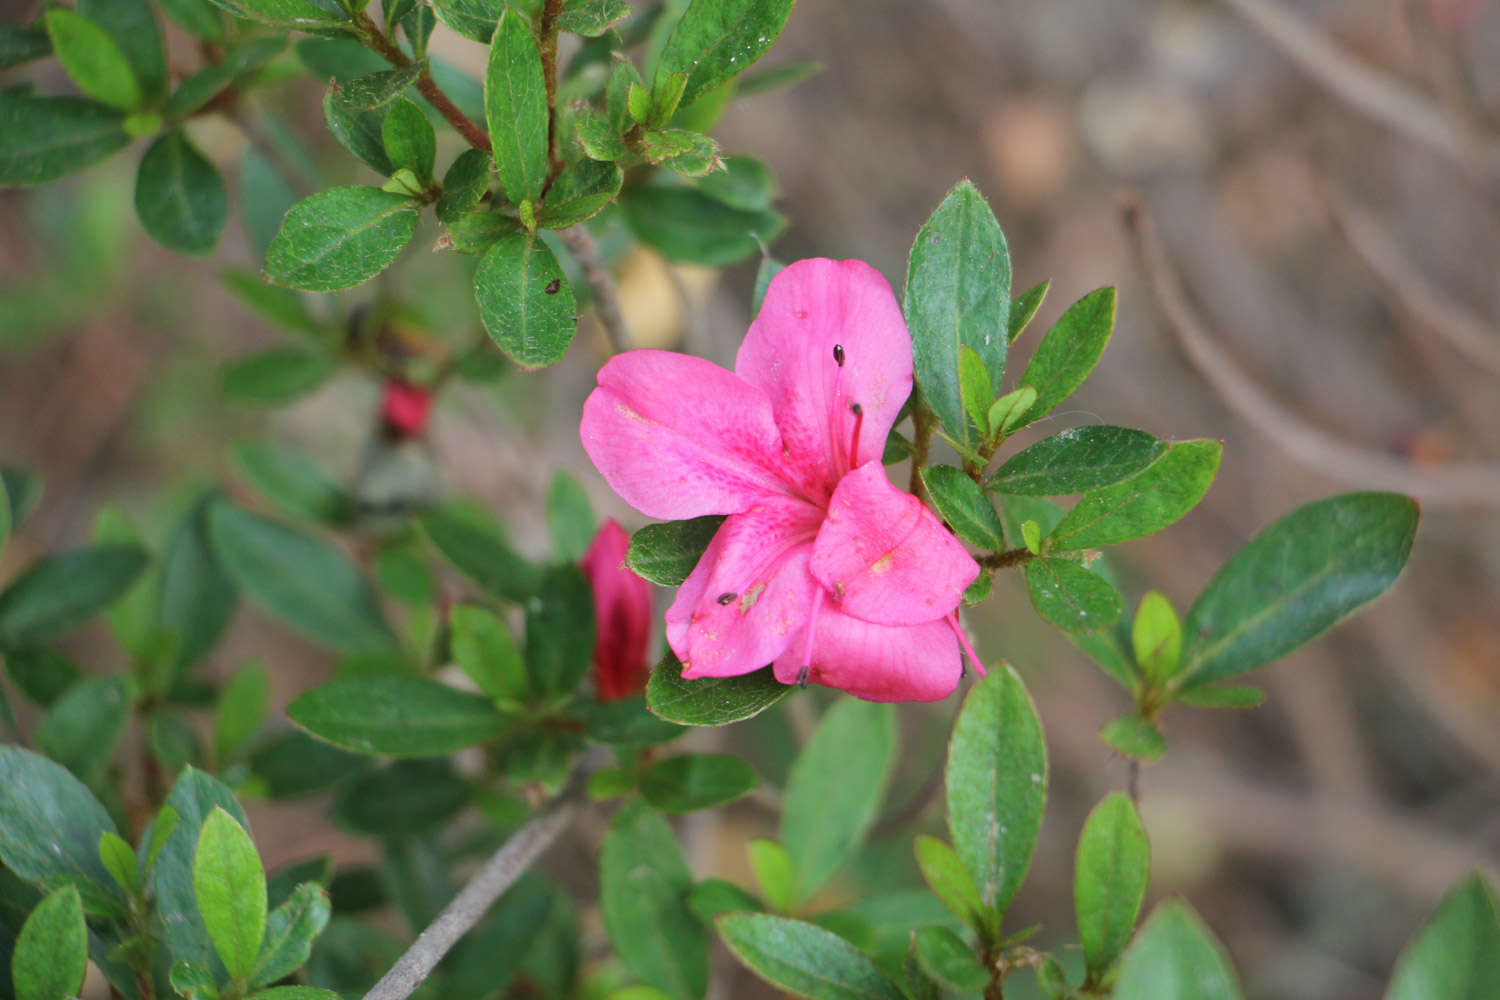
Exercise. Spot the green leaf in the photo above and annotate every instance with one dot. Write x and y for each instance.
(570, 517)
(1225, 696)
(1024, 306)
(628, 721)
(525, 300)
(515, 108)
(230, 887)
(294, 483)
(299, 579)
(1456, 956)
(997, 784)
(21, 44)
(1156, 637)
(408, 798)
(950, 881)
(580, 193)
(666, 553)
(294, 764)
(476, 232)
(744, 183)
(1148, 501)
(286, 13)
(975, 389)
(715, 897)
(52, 951)
(945, 957)
(474, 19)
(192, 982)
(277, 375)
(643, 885)
(716, 40)
(710, 701)
(81, 728)
(1175, 957)
(371, 91)
(774, 872)
(491, 956)
(1109, 881)
(483, 647)
(689, 227)
(93, 59)
(197, 17)
(291, 929)
(44, 138)
(5, 518)
(591, 18)
(469, 539)
(357, 131)
(396, 715)
(804, 959)
(1069, 351)
(560, 631)
(1005, 413)
(964, 506)
(49, 821)
(599, 138)
(835, 787)
(691, 154)
(464, 184)
(241, 710)
(340, 237)
(179, 196)
(697, 781)
(1071, 597)
(957, 295)
(280, 306)
(195, 596)
(295, 993)
(409, 139)
(1295, 580)
(119, 858)
(60, 591)
(40, 673)
(1077, 460)
(1133, 736)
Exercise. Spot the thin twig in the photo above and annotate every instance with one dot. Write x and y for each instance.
(475, 899)
(426, 85)
(1376, 95)
(1461, 484)
(1006, 559)
(581, 245)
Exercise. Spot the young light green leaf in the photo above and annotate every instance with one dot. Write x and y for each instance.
(1156, 637)
(230, 888)
(300, 579)
(710, 701)
(1024, 307)
(1294, 581)
(515, 107)
(293, 482)
(944, 957)
(118, 857)
(131, 24)
(525, 300)
(155, 838)
(950, 882)
(291, 929)
(93, 59)
(835, 788)
(996, 784)
(1069, 351)
(689, 227)
(975, 389)
(483, 647)
(774, 872)
(1456, 955)
(464, 184)
(52, 951)
(1077, 460)
(340, 237)
(1134, 737)
(410, 142)
(81, 728)
(241, 710)
(1031, 536)
(804, 959)
(192, 982)
(598, 137)
(60, 591)
(1070, 596)
(396, 715)
(1148, 501)
(1109, 881)
(1175, 957)
(715, 40)
(687, 782)
(957, 295)
(1223, 696)
(44, 138)
(964, 506)
(666, 553)
(643, 885)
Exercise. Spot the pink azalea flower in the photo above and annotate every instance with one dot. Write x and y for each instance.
(622, 615)
(823, 568)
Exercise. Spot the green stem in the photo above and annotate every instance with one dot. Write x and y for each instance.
(547, 45)
(923, 424)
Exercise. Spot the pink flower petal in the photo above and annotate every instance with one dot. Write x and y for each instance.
(810, 308)
(749, 592)
(884, 557)
(622, 615)
(679, 437)
(877, 662)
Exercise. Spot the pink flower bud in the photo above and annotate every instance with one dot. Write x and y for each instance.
(404, 408)
(622, 615)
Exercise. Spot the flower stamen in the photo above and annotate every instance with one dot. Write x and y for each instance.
(963, 641)
(859, 422)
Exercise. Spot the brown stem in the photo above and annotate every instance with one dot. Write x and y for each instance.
(923, 424)
(388, 50)
(1007, 559)
(581, 245)
(547, 45)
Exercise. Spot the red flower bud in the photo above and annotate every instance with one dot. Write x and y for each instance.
(622, 615)
(404, 408)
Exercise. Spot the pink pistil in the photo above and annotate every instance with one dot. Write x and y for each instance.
(963, 641)
(812, 623)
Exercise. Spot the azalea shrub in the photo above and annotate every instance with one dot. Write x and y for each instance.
(820, 525)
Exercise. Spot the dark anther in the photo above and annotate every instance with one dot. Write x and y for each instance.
(838, 354)
(727, 597)
(856, 409)
(554, 286)
(802, 676)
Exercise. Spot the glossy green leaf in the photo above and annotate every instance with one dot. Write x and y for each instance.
(483, 647)
(1175, 957)
(396, 715)
(357, 131)
(81, 728)
(44, 138)
(52, 951)
(996, 784)
(950, 881)
(230, 888)
(710, 701)
(1069, 351)
(1295, 580)
(286, 13)
(474, 19)
(1156, 637)
(1077, 460)
(643, 887)
(195, 597)
(1024, 306)
(580, 193)
(957, 295)
(835, 787)
(666, 553)
(945, 957)
(591, 18)
(49, 821)
(687, 782)
(964, 506)
(294, 483)
(689, 227)
(1456, 955)
(525, 300)
(1071, 597)
(515, 107)
(370, 91)
(94, 60)
(471, 540)
(409, 139)
(340, 237)
(804, 959)
(241, 710)
(1148, 501)
(291, 929)
(464, 184)
(300, 579)
(1109, 880)
(406, 798)
(598, 136)
(716, 40)
(60, 591)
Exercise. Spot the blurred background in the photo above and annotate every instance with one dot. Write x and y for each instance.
(1324, 176)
